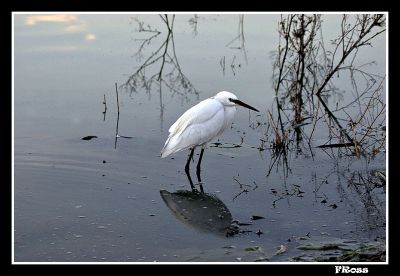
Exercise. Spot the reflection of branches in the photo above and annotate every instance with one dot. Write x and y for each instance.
(357, 187)
(303, 72)
(368, 126)
(353, 36)
(193, 23)
(279, 146)
(241, 47)
(295, 191)
(240, 38)
(152, 70)
(153, 58)
(243, 190)
(145, 41)
(298, 33)
(366, 187)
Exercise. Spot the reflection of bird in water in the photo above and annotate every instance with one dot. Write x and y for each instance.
(202, 211)
(200, 124)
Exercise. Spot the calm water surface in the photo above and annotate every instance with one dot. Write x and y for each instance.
(101, 200)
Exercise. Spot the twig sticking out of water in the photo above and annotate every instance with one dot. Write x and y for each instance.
(222, 64)
(337, 145)
(105, 107)
(116, 128)
(116, 91)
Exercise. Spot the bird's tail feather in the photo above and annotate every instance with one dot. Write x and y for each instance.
(166, 150)
(171, 147)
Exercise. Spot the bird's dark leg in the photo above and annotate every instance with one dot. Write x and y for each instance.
(188, 161)
(201, 187)
(190, 181)
(198, 165)
(187, 168)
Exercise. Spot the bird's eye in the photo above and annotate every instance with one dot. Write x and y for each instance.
(230, 99)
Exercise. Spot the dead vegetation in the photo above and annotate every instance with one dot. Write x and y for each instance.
(308, 94)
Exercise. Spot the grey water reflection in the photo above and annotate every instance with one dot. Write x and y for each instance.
(199, 210)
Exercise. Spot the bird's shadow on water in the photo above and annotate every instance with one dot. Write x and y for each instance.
(200, 210)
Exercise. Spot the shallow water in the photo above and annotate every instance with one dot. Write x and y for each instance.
(99, 199)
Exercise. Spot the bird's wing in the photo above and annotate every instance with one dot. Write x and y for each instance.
(196, 126)
(198, 114)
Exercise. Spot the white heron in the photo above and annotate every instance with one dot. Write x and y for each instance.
(200, 124)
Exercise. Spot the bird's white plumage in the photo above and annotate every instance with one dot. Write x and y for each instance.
(201, 123)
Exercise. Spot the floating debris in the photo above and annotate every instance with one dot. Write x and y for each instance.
(262, 259)
(334, 206)
(253, 248)
(90, 137)
(281, 249)
(343, 250)
(256, 217)
(243, 223)
(326, 246)
(337, 145)
(127, 137)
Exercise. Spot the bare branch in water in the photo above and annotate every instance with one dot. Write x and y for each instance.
(303, 83)
(105, 108)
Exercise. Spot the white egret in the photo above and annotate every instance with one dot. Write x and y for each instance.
(201, 124)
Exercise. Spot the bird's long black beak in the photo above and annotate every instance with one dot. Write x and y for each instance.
(238, 102)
